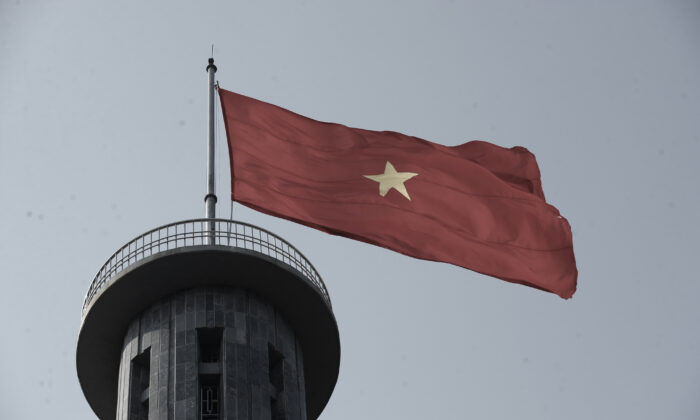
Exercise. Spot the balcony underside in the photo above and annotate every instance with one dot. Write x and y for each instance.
(143, 283)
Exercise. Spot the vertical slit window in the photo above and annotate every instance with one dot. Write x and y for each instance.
(276, 411)
(275, 360)
(139, 386)
(209, 341)
(276, 372)
(209, 398)
(209, 346)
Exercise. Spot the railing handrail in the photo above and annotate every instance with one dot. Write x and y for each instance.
(208, 234)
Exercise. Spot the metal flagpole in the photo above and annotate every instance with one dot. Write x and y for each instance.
(210, 198)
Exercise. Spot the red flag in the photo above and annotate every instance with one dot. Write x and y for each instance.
(476, 205)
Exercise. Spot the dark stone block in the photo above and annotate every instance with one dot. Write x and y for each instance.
(210, 318)
(228, 302)
(230, 319)
(179, 304)
(180, 389)
(181, 338)
(180, 410)
(180, 322)
(200, 301)
(189, 302)
(191, 387)
(210, 300)
(191, 320)
(163, 401)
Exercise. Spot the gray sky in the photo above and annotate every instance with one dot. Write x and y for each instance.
(102, 137)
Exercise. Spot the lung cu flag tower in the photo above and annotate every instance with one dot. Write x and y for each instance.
(167, 332)
(475, 205)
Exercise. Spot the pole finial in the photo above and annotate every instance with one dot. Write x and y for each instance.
(211, 64)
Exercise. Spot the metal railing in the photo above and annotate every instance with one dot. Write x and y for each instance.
(204, 232)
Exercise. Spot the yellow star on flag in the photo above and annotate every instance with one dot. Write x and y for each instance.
(392, 179)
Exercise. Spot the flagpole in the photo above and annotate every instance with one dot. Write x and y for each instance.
(210, 198)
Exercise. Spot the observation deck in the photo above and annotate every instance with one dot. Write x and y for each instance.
(202, 253)
(198, 233)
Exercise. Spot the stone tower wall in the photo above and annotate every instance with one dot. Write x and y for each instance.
(164, 362)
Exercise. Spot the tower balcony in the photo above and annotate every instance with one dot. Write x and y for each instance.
(205, 233)
(195, 254)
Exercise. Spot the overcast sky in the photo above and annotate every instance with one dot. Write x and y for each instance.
(103, 136)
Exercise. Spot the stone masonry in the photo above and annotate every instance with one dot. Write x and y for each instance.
(211, 353)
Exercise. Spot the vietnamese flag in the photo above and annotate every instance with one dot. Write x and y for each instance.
(476, 205)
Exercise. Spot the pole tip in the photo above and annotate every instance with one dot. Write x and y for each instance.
(211, 64)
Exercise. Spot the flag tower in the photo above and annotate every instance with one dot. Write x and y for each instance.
(207, 319)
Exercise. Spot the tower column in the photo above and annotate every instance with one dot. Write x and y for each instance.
(211, 353)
